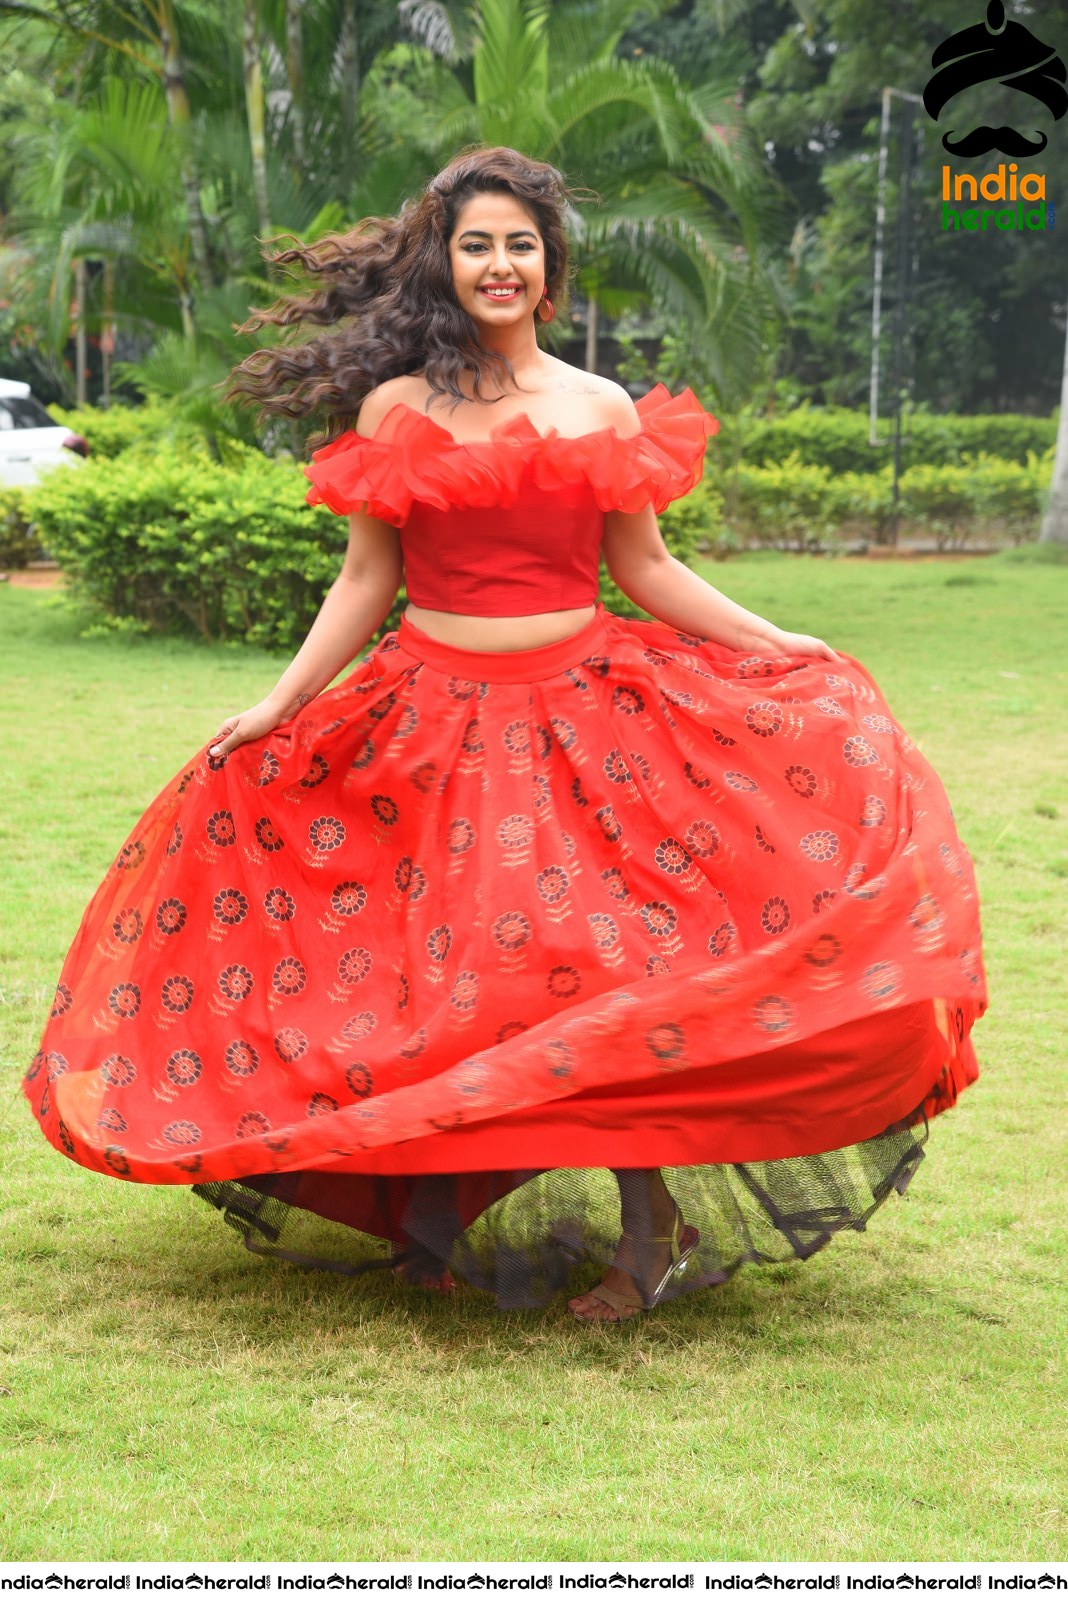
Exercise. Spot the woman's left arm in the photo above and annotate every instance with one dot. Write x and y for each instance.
(643, 567)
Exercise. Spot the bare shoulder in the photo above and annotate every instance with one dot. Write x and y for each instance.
(610, 403)
(619, 409)
(408, 390)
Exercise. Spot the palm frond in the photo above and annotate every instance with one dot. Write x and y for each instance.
(643, 88)
(512, 57)
(129, 150)
(395, 176)
(584, 32)
(444, 27)
(459, 126)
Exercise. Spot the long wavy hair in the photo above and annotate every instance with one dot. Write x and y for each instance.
(385, 290)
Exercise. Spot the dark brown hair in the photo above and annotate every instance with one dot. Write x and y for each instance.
(385, 289)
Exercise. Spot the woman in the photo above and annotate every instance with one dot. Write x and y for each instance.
(535, 894)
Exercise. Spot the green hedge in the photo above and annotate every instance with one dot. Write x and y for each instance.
(1000, 495)
(119, 428)
(837, 439)
(180, 542)
(688, 526)
(789, 506)
(162, 536)
(18, 538)
(797, 506)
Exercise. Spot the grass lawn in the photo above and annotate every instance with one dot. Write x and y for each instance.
(165, 1395)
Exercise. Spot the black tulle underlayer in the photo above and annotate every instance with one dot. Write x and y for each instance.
(538, 1229)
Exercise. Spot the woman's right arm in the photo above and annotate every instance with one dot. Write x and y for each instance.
(356, 605)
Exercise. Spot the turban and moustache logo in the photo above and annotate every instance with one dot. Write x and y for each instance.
(1000, 51)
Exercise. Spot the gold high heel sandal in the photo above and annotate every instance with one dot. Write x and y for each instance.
(683, 1242)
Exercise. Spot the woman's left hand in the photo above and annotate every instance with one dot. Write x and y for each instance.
(799, 644)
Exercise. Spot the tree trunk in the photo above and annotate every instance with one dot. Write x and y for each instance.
(81, 285)
(295, 74)
(349, 74)
(257, 120)
(1055, 522)
(591, 333)
(178, 115)
(107, 334)
(185, 306)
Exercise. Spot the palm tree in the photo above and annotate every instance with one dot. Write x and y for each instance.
(681, 187)
(256, 113)
(144, 41)
(173, 71)
(129, 170)
(171, 161)
(295, 80)
(102, 181)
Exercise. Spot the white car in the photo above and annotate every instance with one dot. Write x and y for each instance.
(31, 444)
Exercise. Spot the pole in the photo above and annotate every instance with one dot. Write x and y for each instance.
(903, 278)
(903, 262)
(877, 287)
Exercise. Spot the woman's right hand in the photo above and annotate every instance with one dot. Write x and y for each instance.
(258, 720)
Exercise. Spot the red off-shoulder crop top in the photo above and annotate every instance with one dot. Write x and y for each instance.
(510, 525)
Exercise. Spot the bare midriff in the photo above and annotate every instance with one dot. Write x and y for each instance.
(500, 633)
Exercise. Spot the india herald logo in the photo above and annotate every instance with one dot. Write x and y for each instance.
(1002, 52)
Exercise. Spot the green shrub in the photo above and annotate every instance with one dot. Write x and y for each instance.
(789, 506)
(18, 540)
(830, 438)
(836, 438)
(179, 542)
(184, 544)
(1008, 496)
(865, 502)
(941, 499)
(119, 428)
(688, 525)
(695, 522)
(164, 537)
(794, 505)
(984, 496)
(1012, 438)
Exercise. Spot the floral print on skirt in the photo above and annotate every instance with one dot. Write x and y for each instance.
(475, 928)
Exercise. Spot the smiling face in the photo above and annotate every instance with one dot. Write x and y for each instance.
(498, 260)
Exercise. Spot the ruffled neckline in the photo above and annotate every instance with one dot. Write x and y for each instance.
(411, 458)
(520, 425)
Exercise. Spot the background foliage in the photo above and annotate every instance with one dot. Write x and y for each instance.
(731, 147)
(157, 535)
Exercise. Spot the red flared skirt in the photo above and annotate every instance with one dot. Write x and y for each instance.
(475, 927)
